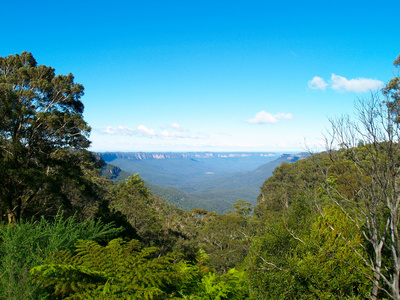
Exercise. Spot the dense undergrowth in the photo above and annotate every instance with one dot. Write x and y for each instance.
(325, 227)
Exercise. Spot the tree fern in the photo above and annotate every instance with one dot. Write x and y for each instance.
(28, 244)
(120, 270)
(231, 285)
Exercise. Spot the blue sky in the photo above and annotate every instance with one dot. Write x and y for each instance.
(210, 75)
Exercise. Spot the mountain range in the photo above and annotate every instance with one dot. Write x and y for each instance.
(213, 181)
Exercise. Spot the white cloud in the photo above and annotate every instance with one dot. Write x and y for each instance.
(342, 84)
(358, 85)
(263, 117)
(142, 131)
(175, 126)
(317, 83)
(172, 134)
(180, 135)
(123, 130)
(120, 130)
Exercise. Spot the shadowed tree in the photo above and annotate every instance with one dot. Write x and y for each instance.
(42, 133)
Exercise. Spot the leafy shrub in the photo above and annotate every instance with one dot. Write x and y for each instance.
(120, 270)
(28, 244)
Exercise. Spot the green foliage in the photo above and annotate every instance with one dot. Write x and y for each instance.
(231, 285)
(114, 172)
(220, 200)
(289, 183)
(155, 222)
(226, 239)
(27, 244)
(135, 202)
(120, 270)
(242, 208)
(208, 285)
(186, 201)
(392, 91)
(331, 258)
(363, 182)
(40, 122)
(323, 260)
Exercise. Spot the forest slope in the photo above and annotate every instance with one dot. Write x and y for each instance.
(194, 188)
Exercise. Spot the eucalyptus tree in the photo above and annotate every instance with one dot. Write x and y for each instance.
(363, 180)
(42, 134)
(392, 91)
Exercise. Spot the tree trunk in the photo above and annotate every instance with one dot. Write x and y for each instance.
(377, 270)
(11, 216)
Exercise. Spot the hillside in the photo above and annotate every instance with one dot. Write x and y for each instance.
(170, 194)
(178, 169)
(182, 180)
(114, 173)
(239, 180)
(190, 201)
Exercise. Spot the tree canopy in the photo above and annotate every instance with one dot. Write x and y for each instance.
(41, 125)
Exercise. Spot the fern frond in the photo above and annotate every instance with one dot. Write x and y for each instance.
(120, 270)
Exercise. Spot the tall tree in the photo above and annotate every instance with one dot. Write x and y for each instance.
(41, 131)
(392, 91)
(226, 238)
(134, 200)
(364, 182)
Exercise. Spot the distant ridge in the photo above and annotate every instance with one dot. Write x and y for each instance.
(110, 156)
(213, 181)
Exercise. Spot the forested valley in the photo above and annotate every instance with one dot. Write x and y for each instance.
(325, 227)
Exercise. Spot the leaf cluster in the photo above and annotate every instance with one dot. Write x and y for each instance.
(28, 244)
(40, 123)
(323, 259)
(120, 270)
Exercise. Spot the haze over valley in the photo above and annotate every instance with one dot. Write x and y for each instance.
(209, 180)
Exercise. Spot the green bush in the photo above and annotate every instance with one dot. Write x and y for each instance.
(120, 270)
(28, 244)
